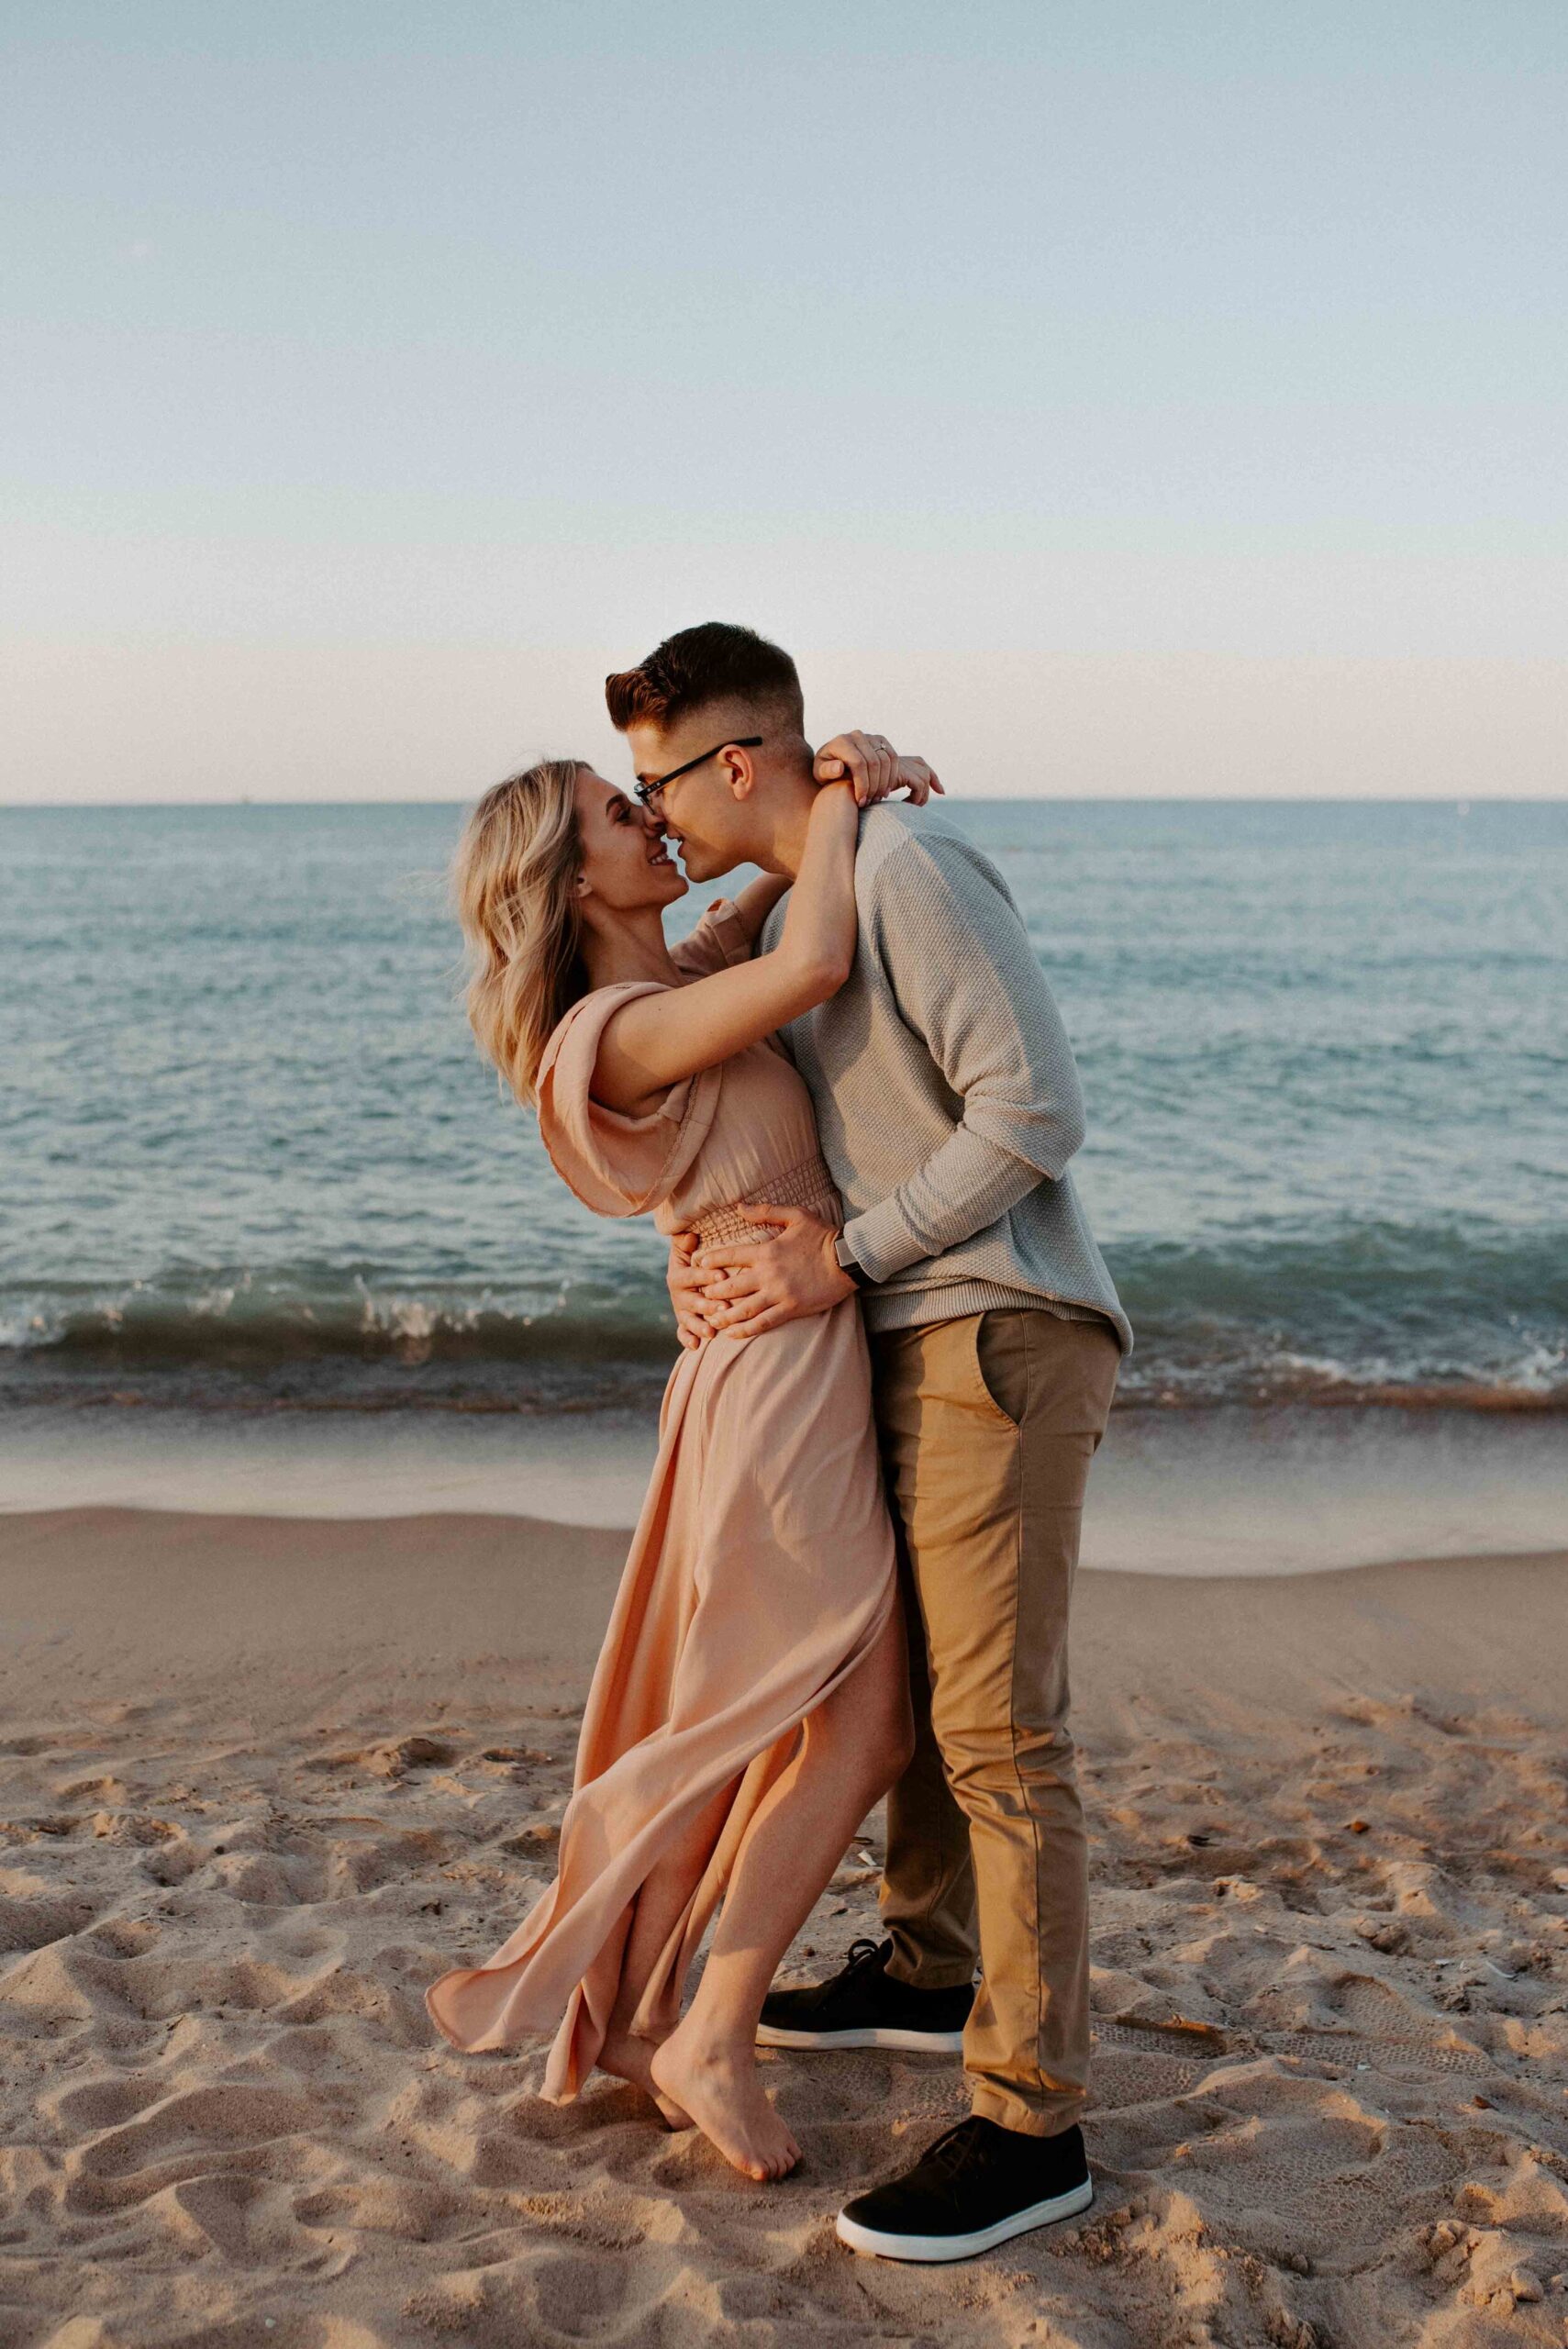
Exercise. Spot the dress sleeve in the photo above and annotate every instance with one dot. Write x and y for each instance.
(719, 940)
(617, 1164)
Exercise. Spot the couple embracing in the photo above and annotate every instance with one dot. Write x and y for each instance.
(849, 1100)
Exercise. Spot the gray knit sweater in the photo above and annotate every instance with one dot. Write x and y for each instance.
(946, 1092)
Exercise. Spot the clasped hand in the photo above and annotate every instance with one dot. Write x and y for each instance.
(875, 769)
(749, 1286)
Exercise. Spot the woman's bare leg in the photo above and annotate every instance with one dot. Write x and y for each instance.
(855, 1745)
(661, 1901)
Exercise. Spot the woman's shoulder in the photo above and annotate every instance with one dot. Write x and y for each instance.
(616, 1162)
(594, 1003)
(717, 939)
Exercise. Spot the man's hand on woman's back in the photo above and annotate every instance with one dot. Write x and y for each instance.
(687, 1286)
(789, 1272)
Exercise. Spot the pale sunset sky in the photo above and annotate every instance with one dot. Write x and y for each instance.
(1136, 397)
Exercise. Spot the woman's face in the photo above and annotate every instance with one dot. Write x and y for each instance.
(625, 861)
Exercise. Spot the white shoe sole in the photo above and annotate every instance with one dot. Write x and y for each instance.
(877, 2245)
(907, 2043)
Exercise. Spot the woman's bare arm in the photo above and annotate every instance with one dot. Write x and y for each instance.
(654, 1041)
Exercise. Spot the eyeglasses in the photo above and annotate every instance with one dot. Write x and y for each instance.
(643, 792)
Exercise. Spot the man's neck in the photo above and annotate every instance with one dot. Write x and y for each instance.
(782, 826)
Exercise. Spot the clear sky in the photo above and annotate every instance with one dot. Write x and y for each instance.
(1164, 397)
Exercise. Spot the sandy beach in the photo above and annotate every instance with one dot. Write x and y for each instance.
(264, 1777)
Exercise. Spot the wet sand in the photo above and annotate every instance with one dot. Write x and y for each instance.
(1232, 1490)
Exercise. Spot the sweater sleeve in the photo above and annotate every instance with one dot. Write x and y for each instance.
(965, 978)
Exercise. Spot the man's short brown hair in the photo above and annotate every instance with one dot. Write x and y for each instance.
(718, 662)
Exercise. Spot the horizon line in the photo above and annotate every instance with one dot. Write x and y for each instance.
(962, 798)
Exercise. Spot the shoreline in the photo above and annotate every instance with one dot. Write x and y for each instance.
(1228, 1490)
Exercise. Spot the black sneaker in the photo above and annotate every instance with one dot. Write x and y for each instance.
(977, 2187)
(863, 2006)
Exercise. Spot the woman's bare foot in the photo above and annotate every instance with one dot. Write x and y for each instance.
(717, 2083)
(626, 2057)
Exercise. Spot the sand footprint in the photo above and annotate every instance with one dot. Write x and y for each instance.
(127, 2161)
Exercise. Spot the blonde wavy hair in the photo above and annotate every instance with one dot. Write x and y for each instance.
(512, 888)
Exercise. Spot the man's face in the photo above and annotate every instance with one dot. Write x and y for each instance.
(698, 813)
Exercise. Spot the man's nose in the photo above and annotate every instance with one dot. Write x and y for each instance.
(653, 818)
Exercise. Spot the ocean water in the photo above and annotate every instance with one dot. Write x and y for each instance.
(251, 1158)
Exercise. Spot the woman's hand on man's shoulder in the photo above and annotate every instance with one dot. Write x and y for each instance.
(875, 769)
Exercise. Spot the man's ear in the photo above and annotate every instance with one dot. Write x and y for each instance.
(739, 774)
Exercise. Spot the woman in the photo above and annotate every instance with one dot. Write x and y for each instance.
(751, 1701)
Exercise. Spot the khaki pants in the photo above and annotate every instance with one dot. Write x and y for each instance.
(988, 1426)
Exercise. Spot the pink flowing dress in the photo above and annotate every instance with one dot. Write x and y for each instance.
(762, 1569)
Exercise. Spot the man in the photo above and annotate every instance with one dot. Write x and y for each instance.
(948, 1106)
